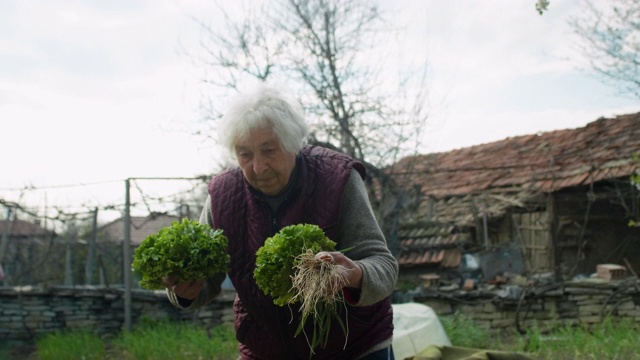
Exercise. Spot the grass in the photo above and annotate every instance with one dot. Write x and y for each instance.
(166, 340)
(70, 345)
(462, 331)
(149, 340)
(5, 350)
(611, 339)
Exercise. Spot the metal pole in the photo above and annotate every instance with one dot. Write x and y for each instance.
(126, 258)
(5, 235)
(68, 266)
(126, 245)
(91, 257)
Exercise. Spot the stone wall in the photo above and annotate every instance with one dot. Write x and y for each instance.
(587, 301)
(26, 312)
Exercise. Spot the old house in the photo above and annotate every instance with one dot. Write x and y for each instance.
(556, 202)
(24, 247)
(141, 227)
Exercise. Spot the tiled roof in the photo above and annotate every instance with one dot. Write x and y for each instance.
(21, 228)
(431, 244)
(141, 227)
(459, 187)
(465, 210)
(544, 162)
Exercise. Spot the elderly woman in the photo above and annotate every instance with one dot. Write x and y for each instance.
(280, 182)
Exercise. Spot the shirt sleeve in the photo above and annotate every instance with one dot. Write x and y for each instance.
(358, 229)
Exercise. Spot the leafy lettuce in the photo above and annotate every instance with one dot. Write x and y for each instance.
(276, 259)
(186, 249)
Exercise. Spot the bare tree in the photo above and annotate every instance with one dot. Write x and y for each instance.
(332, 53)
(611, 42)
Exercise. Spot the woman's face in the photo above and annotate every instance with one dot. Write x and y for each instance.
(264, 163)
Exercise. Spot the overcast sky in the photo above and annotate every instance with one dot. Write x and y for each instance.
(97, 91)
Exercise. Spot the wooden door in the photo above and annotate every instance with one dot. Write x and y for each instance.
(531, 232)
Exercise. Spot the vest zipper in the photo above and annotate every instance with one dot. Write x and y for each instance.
(274, 224)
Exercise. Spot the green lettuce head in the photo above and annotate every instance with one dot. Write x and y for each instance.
(186, 249)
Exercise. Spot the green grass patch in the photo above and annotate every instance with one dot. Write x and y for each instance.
(70, 345)
(5, 349)
(149, 340)
(152, 340)
(611, 339)
(464, 332)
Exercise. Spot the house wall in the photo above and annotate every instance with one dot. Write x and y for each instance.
(590, 229)
(28, 312)
(593, 229)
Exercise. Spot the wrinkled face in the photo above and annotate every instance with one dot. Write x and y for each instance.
(264, 163)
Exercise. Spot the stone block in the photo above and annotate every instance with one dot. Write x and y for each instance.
(14, 312)
(489, 307)
(81, 323)
(440, 307)
(485, 324)
(504, 323)
(627, 305)
(629, 313)
(16, 325)
(36, 318)
(487, 316)
(594, 319)
(590, 309)
(567, 306)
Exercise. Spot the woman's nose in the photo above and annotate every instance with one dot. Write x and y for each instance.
(259, 164)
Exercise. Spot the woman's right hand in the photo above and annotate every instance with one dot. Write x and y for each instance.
(187, 290)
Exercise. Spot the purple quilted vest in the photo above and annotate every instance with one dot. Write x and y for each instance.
(264, 330)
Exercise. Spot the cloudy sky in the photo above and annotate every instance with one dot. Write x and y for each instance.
(93, 92)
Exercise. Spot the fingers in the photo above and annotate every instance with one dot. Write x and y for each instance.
(169, 281)
(186, 290)
(353, 272)
(325, 256)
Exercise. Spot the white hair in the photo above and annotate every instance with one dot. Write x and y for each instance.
(269, 107)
